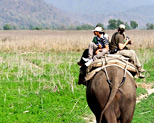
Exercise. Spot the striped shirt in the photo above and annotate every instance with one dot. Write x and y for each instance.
(102, 41)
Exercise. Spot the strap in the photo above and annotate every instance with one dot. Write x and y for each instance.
(124, 77)
(108, 80)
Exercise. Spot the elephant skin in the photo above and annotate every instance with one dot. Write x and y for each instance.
(111, 103)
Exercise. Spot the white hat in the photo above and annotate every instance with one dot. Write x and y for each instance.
(122, 26)
(98, 29)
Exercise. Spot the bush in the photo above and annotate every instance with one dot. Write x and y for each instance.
(7, 27)
(37, 28)
(133, 24)
(150, 26)
(85, 27)
(113, 24)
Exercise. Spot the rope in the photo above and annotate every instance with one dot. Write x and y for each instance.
(124, 77)
(108, 80)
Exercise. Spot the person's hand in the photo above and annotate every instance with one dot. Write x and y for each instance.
(129, 41)
(99, 46)
(98, 50)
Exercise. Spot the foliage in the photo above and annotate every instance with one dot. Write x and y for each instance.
(126, 25)
(113, 24)
(85, 27)
(150, 26)
(133, 24)
(100, 25)
(37, 28)
(7, 27)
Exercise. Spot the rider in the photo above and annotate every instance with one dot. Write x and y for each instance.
(118, 46)
(97, 48)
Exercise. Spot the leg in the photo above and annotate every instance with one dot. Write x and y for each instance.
(92, 48)
(100, 54)
(127, 112)
(127, 117)
(132, 55)
(110, 116)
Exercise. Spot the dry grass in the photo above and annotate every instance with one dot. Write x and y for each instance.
(64, 40)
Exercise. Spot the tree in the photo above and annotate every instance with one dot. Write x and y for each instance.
(127, 26)
(7, 27)
(100, 25)
(133, 24)
(119, 22)
(37, 28)
(112, 24)
(150, 26)
(85, 27)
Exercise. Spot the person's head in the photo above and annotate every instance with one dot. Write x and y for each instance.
(98, 31)
(121, 28)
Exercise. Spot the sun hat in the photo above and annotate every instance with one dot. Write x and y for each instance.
(122, 26)
(98, 29)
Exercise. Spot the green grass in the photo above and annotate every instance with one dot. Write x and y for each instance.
(146, 57)
(27, 85)
(28, 82)
(144, 111)
(141, 91)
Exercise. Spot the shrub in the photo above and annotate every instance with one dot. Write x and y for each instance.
(7, 27)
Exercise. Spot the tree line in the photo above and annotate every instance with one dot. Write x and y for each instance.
(112, 24)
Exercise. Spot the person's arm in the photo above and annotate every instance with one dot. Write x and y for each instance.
(120, 41)
(99, 46)
(122, 46)
(107, 47)
(106, 42)
(99, 50)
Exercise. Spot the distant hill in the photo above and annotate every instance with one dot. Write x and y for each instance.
(32, 12)
(47, 13)
(142, 15)
(98, 6)
(95, 11)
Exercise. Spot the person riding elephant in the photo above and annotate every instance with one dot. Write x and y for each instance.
(118, 46)
(97, 48)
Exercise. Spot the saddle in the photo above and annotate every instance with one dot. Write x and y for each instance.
(111, 60)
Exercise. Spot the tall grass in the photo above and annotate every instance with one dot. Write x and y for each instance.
(40, 87)
(64, 40)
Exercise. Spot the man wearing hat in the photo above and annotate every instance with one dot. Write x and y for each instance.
(118, 46)
(97, 48)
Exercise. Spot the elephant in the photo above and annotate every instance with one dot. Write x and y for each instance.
(110, 102)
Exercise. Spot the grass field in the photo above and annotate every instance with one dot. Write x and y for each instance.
(38, 75)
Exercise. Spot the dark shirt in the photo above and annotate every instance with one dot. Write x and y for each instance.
(115, 40)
